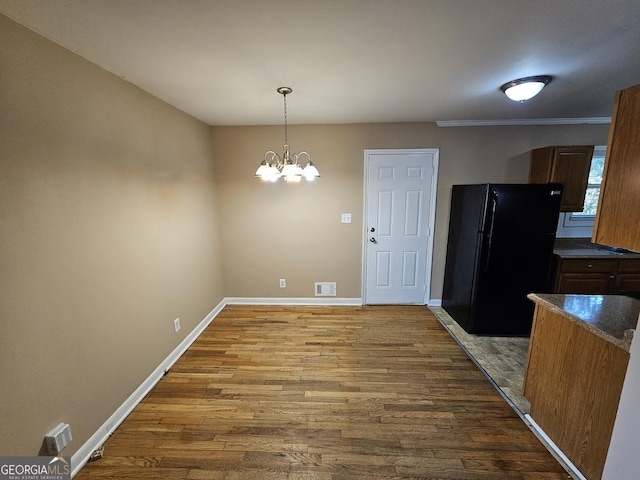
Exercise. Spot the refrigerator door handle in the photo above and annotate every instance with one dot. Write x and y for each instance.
(494, 205)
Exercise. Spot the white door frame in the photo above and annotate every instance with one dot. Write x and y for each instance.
(432, 213)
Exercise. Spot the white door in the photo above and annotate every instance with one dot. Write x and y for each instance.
(399, 217)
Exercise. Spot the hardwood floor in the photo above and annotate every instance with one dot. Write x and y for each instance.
(321, 393)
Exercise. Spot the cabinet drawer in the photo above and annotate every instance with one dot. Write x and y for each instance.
(629, 265)
(585, 265)
(587, 284)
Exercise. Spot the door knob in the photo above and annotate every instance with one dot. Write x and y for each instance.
(372, 240)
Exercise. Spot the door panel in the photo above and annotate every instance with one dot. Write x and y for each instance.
(385, 213)
(397, 208)
(383, 269)
(410, 269)
(412, 213)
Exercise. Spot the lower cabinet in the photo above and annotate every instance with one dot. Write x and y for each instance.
(605, 276)
(628, 276)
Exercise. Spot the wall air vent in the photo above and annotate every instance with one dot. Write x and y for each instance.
(325, 289)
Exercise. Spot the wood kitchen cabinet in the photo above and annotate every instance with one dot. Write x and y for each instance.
(597, 276)
(628, 276)
(567, 164)
(618, 217)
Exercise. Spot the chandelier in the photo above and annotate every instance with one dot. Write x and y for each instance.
(288, 166)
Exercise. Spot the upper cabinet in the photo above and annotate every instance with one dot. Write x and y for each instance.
(566, 164)
(618, 217)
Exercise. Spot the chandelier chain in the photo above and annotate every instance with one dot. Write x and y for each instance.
(286, 140)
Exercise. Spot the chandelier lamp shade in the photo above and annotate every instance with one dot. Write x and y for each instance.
(523, 89)
(287, 167)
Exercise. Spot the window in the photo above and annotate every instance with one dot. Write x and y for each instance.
(580, 224)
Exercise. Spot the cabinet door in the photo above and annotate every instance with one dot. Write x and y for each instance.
(628, 283)
(571, 166)
(568, 165)
(618, 217)
(586, 283)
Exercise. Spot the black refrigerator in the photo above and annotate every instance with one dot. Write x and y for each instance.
(500, 249)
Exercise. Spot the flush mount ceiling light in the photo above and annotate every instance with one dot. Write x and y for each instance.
(274, 167)
(525, 88)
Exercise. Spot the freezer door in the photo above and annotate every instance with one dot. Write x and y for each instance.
(510, 267)
(524, 208)
(460, 275)
(467, 213)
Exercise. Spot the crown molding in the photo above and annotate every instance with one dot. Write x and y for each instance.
(524, 121)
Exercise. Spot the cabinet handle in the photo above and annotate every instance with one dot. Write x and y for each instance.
(589, 265)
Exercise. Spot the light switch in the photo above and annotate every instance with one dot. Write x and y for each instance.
(346, 218)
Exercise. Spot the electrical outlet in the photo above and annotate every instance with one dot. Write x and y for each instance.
(176, 324)
(283, 283)
(346, 218)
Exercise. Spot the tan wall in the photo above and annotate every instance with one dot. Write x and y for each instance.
(109, 231)
(273, 231)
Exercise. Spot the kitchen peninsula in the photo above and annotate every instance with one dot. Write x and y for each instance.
(578, 357)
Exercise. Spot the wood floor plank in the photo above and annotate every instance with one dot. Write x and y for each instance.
(324, 393)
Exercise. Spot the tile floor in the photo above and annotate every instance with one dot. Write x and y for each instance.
(503, 359)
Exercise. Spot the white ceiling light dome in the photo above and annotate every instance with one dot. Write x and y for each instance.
(523, 89)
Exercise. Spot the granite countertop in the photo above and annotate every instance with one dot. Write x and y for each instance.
(583, 248)
(611, 317)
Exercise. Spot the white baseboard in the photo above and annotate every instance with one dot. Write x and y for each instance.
(553, 448)
(435, 302)
(354, 302)
(80, 458)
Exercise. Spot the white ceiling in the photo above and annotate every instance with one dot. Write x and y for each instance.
(354, 60)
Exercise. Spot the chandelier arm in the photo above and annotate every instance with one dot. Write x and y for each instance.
(303, 153)
(273, 156)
